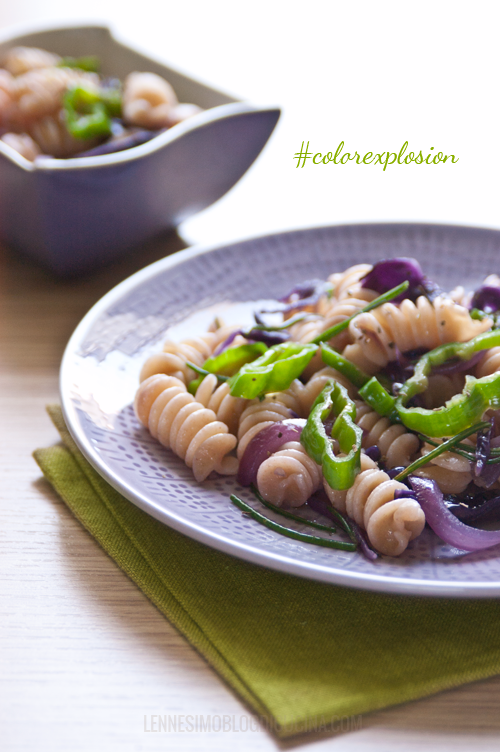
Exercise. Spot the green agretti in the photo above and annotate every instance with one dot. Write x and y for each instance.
(339, 471)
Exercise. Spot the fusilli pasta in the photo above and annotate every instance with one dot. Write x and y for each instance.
(185, 426)
(289, 476)
(389, 523)
(379, 334)
(398, 446)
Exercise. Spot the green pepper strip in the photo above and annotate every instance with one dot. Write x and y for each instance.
(379, 399)
(272, 372)
(385, 298)
(85, 112)
(463, 409)
(339, 472)
(232, 359)
(444, 447)
(88, 63)
(290, 515)
(304, 537)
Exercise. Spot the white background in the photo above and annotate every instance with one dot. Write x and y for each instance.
(374, 74)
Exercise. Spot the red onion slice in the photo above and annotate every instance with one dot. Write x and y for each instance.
(265, 443)
(445, 524)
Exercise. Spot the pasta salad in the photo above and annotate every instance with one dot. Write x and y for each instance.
(63, 107)
(374, 401)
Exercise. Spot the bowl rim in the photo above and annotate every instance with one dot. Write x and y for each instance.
(46, 163)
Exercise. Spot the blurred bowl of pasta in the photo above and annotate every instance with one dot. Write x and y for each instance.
(73, 212)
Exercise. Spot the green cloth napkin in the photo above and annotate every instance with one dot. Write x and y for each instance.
(300, 653)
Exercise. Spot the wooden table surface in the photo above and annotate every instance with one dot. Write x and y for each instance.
(86, 659)
(85, 656)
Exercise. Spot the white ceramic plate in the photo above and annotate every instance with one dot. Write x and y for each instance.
(99, 377)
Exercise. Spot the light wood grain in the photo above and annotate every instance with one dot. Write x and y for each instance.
(85, 656)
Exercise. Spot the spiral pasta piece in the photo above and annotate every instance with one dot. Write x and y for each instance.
(451, 471)
(20, 60)
(185, 426)
(397, 445)
(347, 284)
(172, 361)
(38, 93)
(380, 333)
(389, 523)
(216, 397)
(489, 363)
(52, 136)
(289, 476)
(148, 100)
(258, 415)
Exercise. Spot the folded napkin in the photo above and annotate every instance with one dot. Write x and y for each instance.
(300, 653)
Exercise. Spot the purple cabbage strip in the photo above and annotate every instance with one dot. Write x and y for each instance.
(268, 338)
(254, 335)
(303, 291)
(317, 504)
(389, 273)
(119, 144)
(487, 299)
(489, 473)
(450, 529)
(305, 294)
(482, 450)
(489, 510)
(228, 341)
(374, 453)
(267, 441)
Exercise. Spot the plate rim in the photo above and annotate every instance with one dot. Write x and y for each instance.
(279, 562)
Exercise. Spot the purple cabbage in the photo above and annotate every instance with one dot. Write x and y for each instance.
(119, 144)
(448, 527)
(269, 338)
(303, 295)
(489, 510)
(487, 299)
(488, 474)
(482, 450)
(389, 273)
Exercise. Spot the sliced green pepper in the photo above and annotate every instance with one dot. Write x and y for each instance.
(85, 112)
(272, 372)
(462, 410)
(338, 471)
(379, 399)
(232, 359)
(90, 63)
